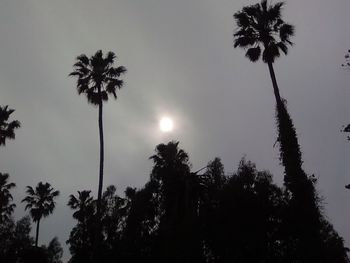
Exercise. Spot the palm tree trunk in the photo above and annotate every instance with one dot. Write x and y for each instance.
(37, 233)
(274, 84)
(100, 183)
(95, 255)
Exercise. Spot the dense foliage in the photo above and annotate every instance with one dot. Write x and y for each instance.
(180, 216)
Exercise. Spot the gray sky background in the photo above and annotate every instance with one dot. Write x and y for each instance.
(181, 63)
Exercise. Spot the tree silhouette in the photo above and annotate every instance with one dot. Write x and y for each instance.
(6, 207)
(241, 221)
(54, 251)
(82, 243)
(178, 227)
(97, 78)
(7, 129)
(262, 31)
(15, 239)
(262, 25)
(114, 210)
(171, 166)
(40, 202)
(82, 204)
(142, 223)
(82, 235)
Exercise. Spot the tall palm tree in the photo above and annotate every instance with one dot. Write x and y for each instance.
(263, 33)
(97, 78)
(40, 202)
(6, 208)
(7, 129)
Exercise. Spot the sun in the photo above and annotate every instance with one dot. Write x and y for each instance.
(166, 124)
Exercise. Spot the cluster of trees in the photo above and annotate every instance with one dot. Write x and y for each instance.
(180, 215)
(16, 244)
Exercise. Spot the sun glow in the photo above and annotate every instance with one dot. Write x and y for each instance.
(166, 124)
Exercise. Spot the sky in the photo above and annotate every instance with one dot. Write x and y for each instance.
(181, 63)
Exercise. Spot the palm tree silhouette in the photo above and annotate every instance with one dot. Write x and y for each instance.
(260, 26)
(6, 208)
(98, 78)
(83, 203)
(263, 33)
(7, 128)
(84, 207)
(40, 202)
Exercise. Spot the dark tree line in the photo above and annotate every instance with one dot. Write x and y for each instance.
(181, 216)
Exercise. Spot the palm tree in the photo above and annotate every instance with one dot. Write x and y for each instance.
(261, 31)
(7, 128)
(83, 204)
(40, 202)
(97, 78)
(84, 207)
(178, 227)
(6, 208)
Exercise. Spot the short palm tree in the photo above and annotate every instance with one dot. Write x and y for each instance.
(83, 204)
(7, 129)
(97, 78)
(263, 33)
(40, 202)
(84, 207)
(6, 207)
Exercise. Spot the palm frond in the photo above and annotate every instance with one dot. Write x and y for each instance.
(242, 19)
(110, 57)
(286, 31)
(113, 85)
(251, 10)
(253, 53)
(282, 47)
(30, 191)
(73, 202)
(263, 5)
(116, 72)
(244, 41)
(274, 11)
(270, 53)
(75, 73)
(83, 59)
(93, 97)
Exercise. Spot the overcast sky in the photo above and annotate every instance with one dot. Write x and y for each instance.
(181, 63)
